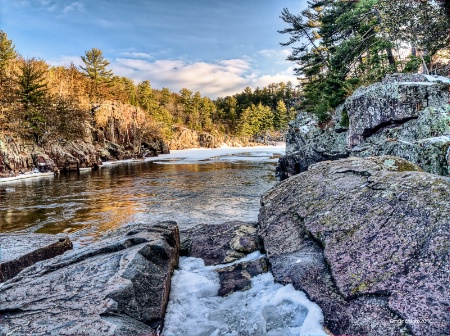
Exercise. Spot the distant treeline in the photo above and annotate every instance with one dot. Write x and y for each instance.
(43, 102)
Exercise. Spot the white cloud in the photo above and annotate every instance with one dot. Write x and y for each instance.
(74, 6)
(136, 54)
(66, 61)
(220, 79)
(213, 79)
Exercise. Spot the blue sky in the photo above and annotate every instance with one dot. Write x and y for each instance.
(217, 47)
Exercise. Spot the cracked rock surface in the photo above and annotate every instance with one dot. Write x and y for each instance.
(366, 239)
(116, 286)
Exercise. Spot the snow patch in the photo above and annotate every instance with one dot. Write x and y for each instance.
(267, 308)
(437, 78)
(25, 176)
(206, 155)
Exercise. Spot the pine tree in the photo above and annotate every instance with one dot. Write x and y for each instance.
(7, 51)
(96, 69)
(32, 94)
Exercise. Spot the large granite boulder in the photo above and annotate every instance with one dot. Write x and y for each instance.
(116, 286)
(405, 115)
(367, 240)
(20, 250)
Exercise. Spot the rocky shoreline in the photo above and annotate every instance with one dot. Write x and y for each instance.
(406, 115)
(364, 238)
(360, 225)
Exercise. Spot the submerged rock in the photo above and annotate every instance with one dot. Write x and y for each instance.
(405, 115)
(224, 245)
(220, 244)
(117, 286)
(20, 250)
(366, 239)
(239, 276)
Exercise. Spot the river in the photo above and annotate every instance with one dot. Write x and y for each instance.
(189, 186)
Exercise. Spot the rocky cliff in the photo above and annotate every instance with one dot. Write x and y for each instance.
(119, 131)
(405, 116)
(183, 138)
(367, 240)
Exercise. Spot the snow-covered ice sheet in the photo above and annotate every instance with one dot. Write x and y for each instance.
(205, 155)
(25, 176)
(267, 308)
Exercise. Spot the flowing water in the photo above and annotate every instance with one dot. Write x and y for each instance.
(189, 186)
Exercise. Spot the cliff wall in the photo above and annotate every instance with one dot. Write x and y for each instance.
(118, 132)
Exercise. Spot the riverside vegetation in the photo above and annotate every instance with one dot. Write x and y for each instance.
(64, 116)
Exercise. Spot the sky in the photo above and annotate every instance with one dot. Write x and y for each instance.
(217, 47)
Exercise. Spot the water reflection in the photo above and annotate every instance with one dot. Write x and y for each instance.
(86, 205)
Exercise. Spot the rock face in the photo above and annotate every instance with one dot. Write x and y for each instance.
(184, 138)
(405, 116)
(367, 240)
(220, 244)
(18, 251)
(117, 286)
(238, 277)
(119, 133)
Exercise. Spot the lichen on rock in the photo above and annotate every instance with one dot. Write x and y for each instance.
(367, 240)
(404, 115)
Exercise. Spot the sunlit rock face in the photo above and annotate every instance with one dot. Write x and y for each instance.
(404, 115)
(116, 286)
(367, 240)
(118, 131)
(183, 138)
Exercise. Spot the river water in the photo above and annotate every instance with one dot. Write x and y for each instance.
(188, 186)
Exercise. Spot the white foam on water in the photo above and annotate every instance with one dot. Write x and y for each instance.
(267, 308)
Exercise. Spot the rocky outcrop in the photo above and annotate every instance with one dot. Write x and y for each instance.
(184, 138)
(238, 277)
(18, 156)
(21, 250)
(405, 115)
(367, 240)
(120, 132)
(226, 247)
(116, 286)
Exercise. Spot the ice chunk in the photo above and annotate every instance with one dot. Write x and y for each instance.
(267, 308)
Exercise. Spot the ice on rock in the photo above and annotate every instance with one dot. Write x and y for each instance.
(267, 308)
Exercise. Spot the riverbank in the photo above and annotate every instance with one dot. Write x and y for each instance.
(184, 156)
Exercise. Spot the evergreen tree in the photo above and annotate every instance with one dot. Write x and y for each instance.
(280, 117)
(7, 51)
(340, 45)
(32, 94)
(7, 86)
(96, 69)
